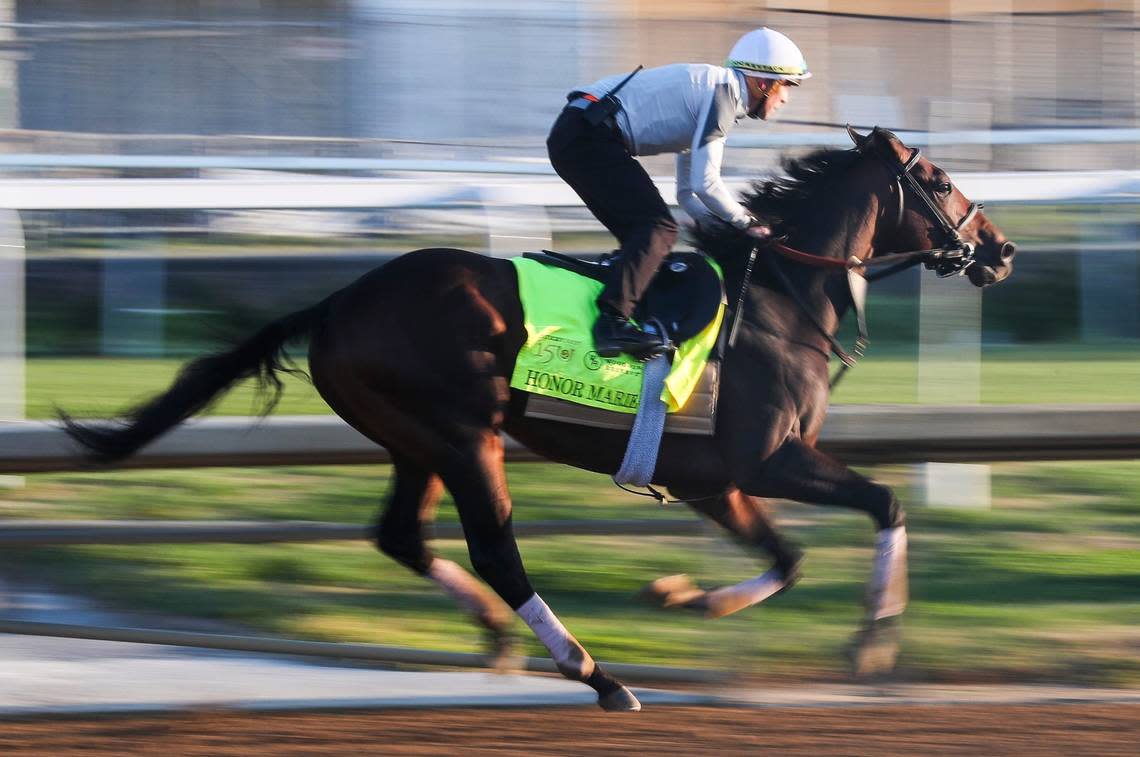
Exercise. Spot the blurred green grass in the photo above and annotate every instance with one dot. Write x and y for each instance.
(1043, 587)
(102, 387)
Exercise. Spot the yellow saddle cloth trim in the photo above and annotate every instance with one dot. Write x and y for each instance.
(558, 359)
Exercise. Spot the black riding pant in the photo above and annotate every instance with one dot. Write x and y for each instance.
(595, 162)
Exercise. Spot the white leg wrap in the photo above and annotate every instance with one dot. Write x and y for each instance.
(730, 599)
(568, 654)
(466, 590)
(887, 591)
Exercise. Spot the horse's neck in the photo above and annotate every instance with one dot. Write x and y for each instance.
(824, 292)
(827, 292)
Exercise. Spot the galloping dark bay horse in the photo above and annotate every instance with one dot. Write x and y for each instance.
(417, 355)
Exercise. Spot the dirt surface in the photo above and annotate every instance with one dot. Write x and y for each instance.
(1093, 729)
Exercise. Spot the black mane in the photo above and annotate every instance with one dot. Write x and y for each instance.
(784, 203)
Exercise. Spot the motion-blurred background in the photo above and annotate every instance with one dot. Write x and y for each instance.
(317, 139)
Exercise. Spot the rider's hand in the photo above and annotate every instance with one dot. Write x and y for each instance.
(758, 231)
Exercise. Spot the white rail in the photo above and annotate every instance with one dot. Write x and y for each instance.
(866, 434)
(465, 190)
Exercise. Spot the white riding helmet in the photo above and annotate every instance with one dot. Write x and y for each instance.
(767, 54)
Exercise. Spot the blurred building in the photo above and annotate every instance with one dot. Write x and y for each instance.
(144, 75)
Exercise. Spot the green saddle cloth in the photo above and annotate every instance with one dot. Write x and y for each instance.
(558, 359)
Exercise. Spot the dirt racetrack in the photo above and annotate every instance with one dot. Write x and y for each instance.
(1068, 729)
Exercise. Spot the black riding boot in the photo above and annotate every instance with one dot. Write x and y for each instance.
(615, 334)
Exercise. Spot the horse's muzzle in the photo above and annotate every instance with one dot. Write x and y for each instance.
(981, 275)
(984, 274)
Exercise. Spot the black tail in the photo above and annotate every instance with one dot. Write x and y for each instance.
(199, 383)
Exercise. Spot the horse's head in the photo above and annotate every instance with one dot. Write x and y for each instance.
(922, 209)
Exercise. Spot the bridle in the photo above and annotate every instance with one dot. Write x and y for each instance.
(952, 258)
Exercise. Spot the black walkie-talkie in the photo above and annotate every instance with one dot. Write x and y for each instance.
(607, 104)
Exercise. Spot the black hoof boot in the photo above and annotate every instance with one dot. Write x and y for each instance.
(614, 335)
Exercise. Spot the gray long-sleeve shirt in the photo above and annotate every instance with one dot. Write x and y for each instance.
(686, 108)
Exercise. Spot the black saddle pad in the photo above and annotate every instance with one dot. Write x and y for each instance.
(684, 296)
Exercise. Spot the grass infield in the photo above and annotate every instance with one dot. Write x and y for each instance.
(1043, 586)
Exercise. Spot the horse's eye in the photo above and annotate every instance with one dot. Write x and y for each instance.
(943, 188)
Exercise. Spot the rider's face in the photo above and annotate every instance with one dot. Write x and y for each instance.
(766, 96)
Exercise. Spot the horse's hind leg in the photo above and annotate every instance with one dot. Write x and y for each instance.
(748, 520)
(399, 534)
(474, 475)
(800, 472)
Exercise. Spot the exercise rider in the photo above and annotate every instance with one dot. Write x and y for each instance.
(684, 108)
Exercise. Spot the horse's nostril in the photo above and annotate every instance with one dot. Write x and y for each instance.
(1008, 250)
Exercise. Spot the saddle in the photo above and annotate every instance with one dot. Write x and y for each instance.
(684, 299)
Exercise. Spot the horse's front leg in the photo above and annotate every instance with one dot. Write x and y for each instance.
(749, 521)
(800, 472)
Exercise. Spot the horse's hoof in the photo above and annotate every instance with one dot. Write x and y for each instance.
(673, 591)
(620, 699)
(502, 654)
(875, 649)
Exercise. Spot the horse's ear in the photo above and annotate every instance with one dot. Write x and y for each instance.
(859, 139)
